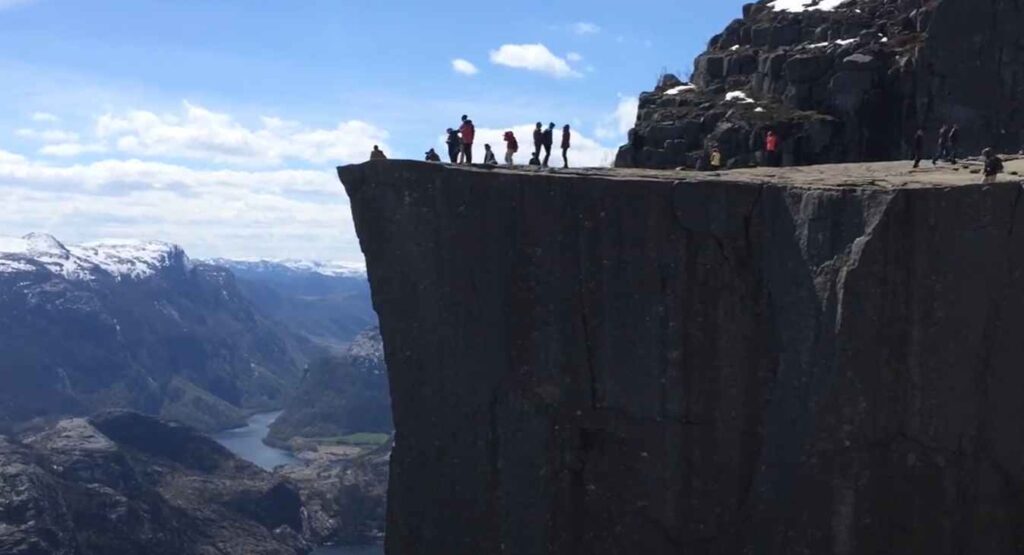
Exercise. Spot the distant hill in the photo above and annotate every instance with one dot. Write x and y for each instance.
(328, 303)
(134, 325)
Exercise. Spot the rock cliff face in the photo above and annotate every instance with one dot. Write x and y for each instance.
(663, 363)
(842, 82)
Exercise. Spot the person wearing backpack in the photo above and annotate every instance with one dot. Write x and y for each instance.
(993, 166)
(566, 140)
(468, 131)
(454, 145)
(511, 147)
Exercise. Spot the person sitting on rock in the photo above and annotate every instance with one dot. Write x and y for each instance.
(918, 147)
(566, 141)
(454, 145)
(538, 139)
(511, 147)
(432, 156)
(716, 159)
(467, 130)
(535, 159)
(377, 154)
(548, 141)
(993, 166)
(952, 142)
(942, 149)
(489, 158)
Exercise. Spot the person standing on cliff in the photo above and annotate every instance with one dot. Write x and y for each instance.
(454, 145)
(538, 139)
(468, 131)
(566, 144)
(511, 148)
(942, 149)
(993, 166)
(771, 147)
(953, 142)
(716, 159)
(918, 147)
(548, 140)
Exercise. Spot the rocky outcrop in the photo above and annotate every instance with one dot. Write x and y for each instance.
(123, 483)
(844, 84)
(825, 360)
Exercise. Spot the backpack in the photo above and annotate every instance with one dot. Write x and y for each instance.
(513, 145)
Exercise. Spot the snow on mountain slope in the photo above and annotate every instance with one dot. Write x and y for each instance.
(332, 269)
(133, 260)
(802, 5)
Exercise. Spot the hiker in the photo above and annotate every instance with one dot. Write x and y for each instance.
(548, 140)
(377, 154)
(566, 140)
(538, 139)
(952, 142)
(771, 147)
(716, 159)
(432, 156)
(942, 149)
(489, 158)
(636, 143)
(454, 145)
(918, 147)
(468, 131)
(535, 159)
(993, 166)
(511, 147)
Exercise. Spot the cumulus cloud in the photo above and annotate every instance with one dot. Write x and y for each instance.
(464, 67)
(533, 57)
(617, 124)
(72, 149)
(201, 134)
(48, 135)
(584, 153)
(585, 28)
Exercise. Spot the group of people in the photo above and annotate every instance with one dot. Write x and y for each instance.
(769, 153)
(946, 150)
(460, 146)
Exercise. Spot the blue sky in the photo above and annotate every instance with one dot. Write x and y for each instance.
(217, 124)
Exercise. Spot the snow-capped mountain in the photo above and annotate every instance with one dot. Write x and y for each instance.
(331, 269)
(134, 260)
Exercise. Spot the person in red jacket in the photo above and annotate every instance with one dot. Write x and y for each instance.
(511, 147)
(771, 148)
(468, 131)
(566, 140)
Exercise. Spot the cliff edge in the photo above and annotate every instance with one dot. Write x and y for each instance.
(815, 360)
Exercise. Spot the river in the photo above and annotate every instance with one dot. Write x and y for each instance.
(247, 443)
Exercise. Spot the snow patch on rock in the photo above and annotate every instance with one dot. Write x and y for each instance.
(804, 5)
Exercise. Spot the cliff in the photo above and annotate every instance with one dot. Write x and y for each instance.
(842, 82)
(818, 360)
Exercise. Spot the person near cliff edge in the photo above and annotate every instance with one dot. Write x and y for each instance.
(432, 156)
(511, 148)
(566, 145)
(377, 154)
(535, 159)
(454, 145)
(489, 158)
(538, 139)
(548, 140)
(942, 149)
(468, 131)
(716, 159)
(952, 142)
(918, 147)
(993, 166)
(771, 149)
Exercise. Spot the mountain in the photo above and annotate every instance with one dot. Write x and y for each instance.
(841, 81)
(134, 325)
(121, 483)
(340, 396)
(327, 303)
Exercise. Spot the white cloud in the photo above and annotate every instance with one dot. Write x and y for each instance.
(585, 28)
(532, 57)
(202, 134)
(48, 135)
(574, 57)
(584, 152)
(617, 124)
(464, 67)
(72, 149)
(45, 117)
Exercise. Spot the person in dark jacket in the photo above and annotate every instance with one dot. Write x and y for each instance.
(432, 156)
(548, 140)
(489, 158)
(952, 142)
(942, 149)
(993, 166)
(538, 139)
(454, 145)
(566, 144)
(511, 148)
(918, 147)
(535, 159)
(377, 154)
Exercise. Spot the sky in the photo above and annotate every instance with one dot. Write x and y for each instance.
(217, 124)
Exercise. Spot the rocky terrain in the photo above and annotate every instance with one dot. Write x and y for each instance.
(122, 483)
(815, 360)
(339, 396)
(134, 325)
(841, 82)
